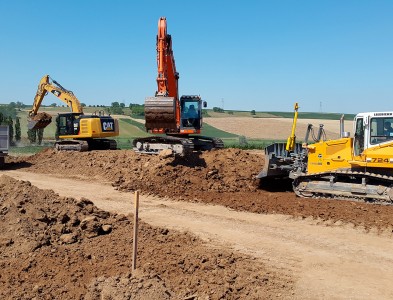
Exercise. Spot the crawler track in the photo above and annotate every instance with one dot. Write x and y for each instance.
(179, 145)
(346, 185)
(86, 145)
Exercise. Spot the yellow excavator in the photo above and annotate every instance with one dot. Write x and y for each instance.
(349, 168)
(75, 131)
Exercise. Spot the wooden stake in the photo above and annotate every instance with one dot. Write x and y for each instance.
(135, 240)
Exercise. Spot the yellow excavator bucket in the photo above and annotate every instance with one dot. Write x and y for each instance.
(38, 121)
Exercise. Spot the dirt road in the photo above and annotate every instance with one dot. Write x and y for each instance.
(327, 262)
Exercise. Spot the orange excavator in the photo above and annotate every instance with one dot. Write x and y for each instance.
(178, 120)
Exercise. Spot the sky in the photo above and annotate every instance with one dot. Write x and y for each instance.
(327, 55)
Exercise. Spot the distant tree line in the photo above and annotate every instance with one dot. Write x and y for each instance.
(218, 109)
(116, 108)
(137, 109)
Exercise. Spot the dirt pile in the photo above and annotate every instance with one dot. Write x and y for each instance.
(217, 171)
(60, 248)
(225, 177)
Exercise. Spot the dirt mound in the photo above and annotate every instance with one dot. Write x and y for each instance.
(227, 170)
(225, 177)
(60, 248)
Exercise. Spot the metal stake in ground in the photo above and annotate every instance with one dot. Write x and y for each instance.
(135, 240)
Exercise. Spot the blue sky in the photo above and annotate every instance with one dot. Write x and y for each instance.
(330, 56)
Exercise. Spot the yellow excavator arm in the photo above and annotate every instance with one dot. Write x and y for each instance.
(48, 85)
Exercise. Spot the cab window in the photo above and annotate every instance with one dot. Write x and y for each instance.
(381, 130)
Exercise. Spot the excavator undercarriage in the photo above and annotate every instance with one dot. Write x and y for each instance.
(85, 145)
(179, 145)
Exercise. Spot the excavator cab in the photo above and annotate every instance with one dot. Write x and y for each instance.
(191, 113)
(68, 124)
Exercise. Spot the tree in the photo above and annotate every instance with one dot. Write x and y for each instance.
(83, 105)
(11, 130)
(32, 135)
(122, 105)
(18, 133)
(40, 135)
(20, 105)
(253, 113)
(116, 109)
(53, 105)
(137, 109)
(218, 109)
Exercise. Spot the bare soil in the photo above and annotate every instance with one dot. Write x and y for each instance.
(55, 247)
(284, 246)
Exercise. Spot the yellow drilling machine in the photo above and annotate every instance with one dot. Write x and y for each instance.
(348, 168)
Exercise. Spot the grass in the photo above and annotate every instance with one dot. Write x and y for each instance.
(250, 143)
(211, 131)
(131, 129)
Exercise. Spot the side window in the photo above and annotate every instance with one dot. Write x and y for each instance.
(359, 137)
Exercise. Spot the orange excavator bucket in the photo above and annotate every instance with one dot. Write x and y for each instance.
(38, 121)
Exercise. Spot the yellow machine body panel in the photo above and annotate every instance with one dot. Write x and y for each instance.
(338, 154)
(92, 128)
(380, 156)
(329, 155)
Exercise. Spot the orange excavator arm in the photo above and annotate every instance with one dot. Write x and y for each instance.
(167, 78)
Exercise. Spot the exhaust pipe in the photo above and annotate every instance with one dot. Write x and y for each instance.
(343, 133)
(342, 126)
